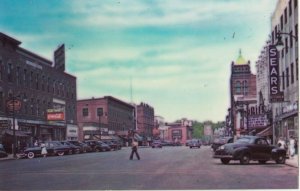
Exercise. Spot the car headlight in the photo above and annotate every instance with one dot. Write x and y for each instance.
(222, 147)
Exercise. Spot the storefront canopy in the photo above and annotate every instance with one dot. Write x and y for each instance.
(17, 133)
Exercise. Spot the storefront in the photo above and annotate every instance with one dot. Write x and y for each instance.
(72, 132)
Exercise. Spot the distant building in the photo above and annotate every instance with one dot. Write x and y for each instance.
(145, 120)
(98, 117)
(180, 131)
(47, 95)
(242, 95)
(161, 126)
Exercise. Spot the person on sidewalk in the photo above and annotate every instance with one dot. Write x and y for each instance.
(292, 146)
(134, 149)
(281, 143)
(44, 150)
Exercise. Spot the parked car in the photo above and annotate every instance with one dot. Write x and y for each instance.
(53, 148)
(187, 143)
(167, 143)
(221, 141)
(104, 146)
(83, 146)
(156, 144)
(249, 148)
(113, 145)
(3, 153)
(195, 143)
(96, 147)
(73, 148)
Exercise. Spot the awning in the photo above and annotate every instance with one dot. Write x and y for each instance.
(17, 133)
(266, 132)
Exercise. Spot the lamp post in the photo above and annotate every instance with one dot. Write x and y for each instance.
(279, 44)
(13, 105)
(100, 113)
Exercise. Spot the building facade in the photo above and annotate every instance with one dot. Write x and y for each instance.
(37, 93)
(104, 116)
(242, 95)
(180, 131)
(285, 112)
(145, 120)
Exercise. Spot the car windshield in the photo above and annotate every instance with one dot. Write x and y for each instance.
(244, 140)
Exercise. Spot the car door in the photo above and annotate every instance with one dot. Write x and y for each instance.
(261, 149)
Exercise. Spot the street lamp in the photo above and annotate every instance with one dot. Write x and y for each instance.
(100, 113)
(279, 44)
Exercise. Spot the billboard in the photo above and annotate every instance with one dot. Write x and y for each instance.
(275, 94)
(55, 114)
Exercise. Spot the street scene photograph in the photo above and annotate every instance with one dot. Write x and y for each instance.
(149, 95)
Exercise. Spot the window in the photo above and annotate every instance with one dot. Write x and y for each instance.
(1, 69)
(285, 15)
(283, 84)
(291, 39)
(297, 69)
(296, 32)
(18, 75)
(292, 73)
(31, 79)
(9, 72)
(286, 45)
(281, 22)
(25, 77)
(37, 81)
(99, 111)
(287, 77)
(290, 7)
(295, 3)
(238, 87)
(43, 83)
(85, 112)
(1, 101)
(245, 87)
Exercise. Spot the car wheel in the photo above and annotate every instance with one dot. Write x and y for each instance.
(225, 161)
(280, 159)
(60, 153)
(245, 159)
(30, 155)
(191, 147)
(262, 161)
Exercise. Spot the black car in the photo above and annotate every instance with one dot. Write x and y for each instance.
(167, 143)
(3, 153)
(249, 148)
(53, 148)
(113, 145)
(221, 141)
(104, 146)
(73, 148)
(83, 146)
(96, 147)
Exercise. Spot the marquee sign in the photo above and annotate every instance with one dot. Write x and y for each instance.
(258, 121)
(275, 94)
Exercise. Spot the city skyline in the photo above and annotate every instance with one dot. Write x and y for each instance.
(176, 55)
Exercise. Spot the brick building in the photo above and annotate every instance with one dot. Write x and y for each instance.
(145, 120)
(242, 95)
(42, 88)
(98, 117)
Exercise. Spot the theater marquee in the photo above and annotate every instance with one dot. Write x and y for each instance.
(275, 94)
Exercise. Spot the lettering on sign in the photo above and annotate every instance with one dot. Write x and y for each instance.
(13, 105)
(275, 94)
(59, 116)
(257, 121)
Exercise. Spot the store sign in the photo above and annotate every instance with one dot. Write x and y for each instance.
(177, 134)
(275, 94)
(57, 116)
(5, 124)
(257, 121)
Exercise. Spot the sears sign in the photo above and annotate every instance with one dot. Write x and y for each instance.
(275, 94)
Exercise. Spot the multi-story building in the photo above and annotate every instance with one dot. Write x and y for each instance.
(46, 94)
(285, 112)
(242, 95)
(161, 126)
(145, 120)
(104, 116)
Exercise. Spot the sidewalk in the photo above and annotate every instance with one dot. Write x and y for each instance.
(294, 162)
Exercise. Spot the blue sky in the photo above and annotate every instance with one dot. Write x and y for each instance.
(175, 53)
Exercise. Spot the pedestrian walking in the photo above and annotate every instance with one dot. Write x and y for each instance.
(44, 150)
(134, 149)
(281, 143)
(292, 146)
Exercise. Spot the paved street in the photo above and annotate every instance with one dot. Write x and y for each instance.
(166, 168)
